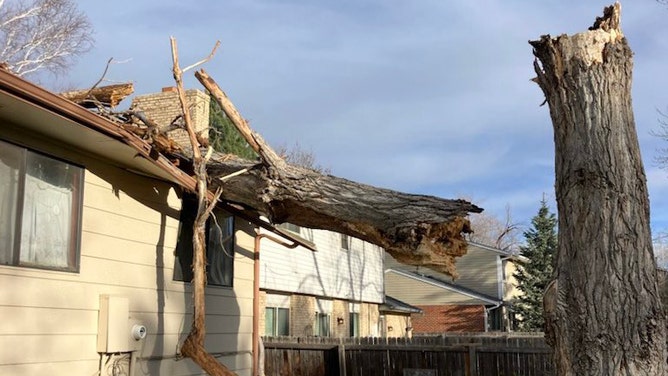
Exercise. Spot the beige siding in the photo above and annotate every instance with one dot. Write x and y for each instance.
(479, 270)
(129, 231)
(419, 293)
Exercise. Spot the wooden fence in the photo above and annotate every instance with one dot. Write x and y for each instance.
(445, 355)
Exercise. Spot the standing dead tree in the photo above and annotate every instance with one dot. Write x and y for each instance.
(193, 346)
(603, 311)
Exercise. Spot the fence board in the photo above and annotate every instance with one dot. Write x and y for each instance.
(445, 355)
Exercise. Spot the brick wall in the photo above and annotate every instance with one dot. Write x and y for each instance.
(164, 107)
(302, 315)
(397, 325)
(340, 311)
(449, 318)
(369, 316)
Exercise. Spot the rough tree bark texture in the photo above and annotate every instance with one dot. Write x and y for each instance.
(415, 229)
(603, 311)
(193, 346)
(110, 95)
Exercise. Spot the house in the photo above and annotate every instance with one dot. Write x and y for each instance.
(336, 291)
(395, 318)
(95, 249)
(477, 301)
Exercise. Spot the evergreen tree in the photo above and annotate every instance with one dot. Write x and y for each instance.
(224, 137)
(535, 273)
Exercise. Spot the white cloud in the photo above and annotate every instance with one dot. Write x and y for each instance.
(429, 96)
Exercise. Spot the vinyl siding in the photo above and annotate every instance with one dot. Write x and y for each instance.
(355, 274)
(420, 293)
(478, 270)
(129, 231)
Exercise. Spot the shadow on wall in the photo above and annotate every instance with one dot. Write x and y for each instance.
(168, 316)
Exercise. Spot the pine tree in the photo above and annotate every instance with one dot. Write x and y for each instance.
(224, 137)
(534, 274)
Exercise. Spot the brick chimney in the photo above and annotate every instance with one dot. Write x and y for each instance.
(164, 107)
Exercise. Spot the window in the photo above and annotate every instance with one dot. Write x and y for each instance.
(290, 227)
(277, 321)
(219, 245)
(345, 242)
(354, 324)
(40, 210)
(321, 324)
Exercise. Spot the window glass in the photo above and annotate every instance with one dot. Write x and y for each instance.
(345, 241)
(40, 206)
(10, 162)
(283, 322)
(354, 324)
(269, 321)
(290, 227)
(321, 324)
(219, 249)
(277, 321)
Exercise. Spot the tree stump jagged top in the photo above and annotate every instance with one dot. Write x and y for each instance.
(603, 312)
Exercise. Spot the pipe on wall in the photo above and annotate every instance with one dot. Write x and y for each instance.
(256, 294)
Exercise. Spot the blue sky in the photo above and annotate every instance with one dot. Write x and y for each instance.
(421, 96)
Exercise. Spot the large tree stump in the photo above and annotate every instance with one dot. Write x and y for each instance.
(603, 312)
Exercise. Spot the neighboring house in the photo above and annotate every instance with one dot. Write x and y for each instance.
(334, 291)
(476, 301)
(395, 318)
(95, 242)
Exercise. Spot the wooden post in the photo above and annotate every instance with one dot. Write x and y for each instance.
(472, 361)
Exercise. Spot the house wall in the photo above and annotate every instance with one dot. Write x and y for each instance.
(449, 318)
(479, 270)
(369, 319)
(398, 325)
(302, 312)
(333, 272)
(419, 293)
(303, 309)
(129, 231)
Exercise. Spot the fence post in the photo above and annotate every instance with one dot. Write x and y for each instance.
(342, 358)
(473, 361)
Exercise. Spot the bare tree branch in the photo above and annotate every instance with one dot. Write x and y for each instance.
(42, 35)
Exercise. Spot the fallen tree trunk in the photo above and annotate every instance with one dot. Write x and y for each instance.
(110, 95)
(415, 229)
(603, 312)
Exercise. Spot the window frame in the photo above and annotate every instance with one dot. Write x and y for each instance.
(75, 216)
(345, 242)
(328, 320)
(354, 320)
(275, 322)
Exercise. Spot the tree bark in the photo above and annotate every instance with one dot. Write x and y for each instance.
(193, 347)
(110, 95)
(603, 312)
(414, 229)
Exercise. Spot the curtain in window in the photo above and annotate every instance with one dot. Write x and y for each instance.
(47, 212)
(45, 235)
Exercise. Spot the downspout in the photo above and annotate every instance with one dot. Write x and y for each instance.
(256, 296)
